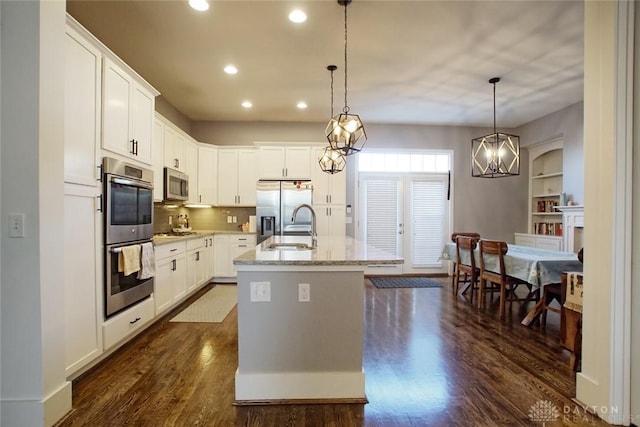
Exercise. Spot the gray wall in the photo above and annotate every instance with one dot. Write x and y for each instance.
(496, 208)
(170, 113)
(567, 123)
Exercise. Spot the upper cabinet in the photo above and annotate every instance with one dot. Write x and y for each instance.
(284, 162)
(82, 110)
(175, 149)
(207, 174)
(327, 189)
(127, 114)
(157, 151)
(237, 176)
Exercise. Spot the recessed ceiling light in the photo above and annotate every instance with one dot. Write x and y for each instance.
(247, 104)
(297, 16)
(230, 69)
(199, 5)
(302, 105)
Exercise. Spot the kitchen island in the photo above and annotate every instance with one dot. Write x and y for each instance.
(300, 320)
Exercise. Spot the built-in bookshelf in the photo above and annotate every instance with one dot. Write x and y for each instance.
(545, 196)
(545, 188)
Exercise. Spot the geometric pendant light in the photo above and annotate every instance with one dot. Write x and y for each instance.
(495, 155)
(345, 131)
(332, 161)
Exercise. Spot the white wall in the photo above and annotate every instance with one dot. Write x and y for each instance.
(33, 391)
(569, 124)
(496, 208)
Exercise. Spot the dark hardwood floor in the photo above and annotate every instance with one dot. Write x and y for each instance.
(430, 360)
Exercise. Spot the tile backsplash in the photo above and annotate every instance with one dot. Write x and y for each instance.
(214, 218)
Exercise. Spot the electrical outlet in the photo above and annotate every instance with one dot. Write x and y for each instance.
(235, 219)
(229, 219)
(304, 292)
(260, 291)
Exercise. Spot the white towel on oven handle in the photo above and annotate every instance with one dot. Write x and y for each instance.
(129, 259)
(147, 262)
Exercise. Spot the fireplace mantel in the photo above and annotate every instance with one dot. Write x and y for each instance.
(572, 226)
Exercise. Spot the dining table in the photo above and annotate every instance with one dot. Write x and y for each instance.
(536, 266)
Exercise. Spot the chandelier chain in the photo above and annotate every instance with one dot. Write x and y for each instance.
(346, 105)
(331, 92)
(494, 107)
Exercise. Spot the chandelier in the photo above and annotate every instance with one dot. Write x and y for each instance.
(345, 131)
(495, 155)
(332, 161)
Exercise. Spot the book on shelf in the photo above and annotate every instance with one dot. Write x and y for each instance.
(546, 205)
(548, 228)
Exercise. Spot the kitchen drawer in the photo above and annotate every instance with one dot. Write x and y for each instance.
(127, 322)
(170, 249)
(248, 239)
(195, 243)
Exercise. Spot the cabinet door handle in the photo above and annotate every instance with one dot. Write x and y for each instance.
(198, 256)
(200, 198)
(173, 265)
(330, 211)
(134, 321)
(99, 197)
(329, 198)
(133, 146)
(176, 163)
(173, 250)
(99, 167)
(242, 246)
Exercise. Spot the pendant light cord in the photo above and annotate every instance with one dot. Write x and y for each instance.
(331, 69)
(346, 105)
(494, 107)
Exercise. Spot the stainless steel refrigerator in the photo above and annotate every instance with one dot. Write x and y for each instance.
(275, 202)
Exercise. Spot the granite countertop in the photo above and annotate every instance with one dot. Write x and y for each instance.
(161, 239)
(331, 250)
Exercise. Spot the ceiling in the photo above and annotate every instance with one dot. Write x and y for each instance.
(418, 62)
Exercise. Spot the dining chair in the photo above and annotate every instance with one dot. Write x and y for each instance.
(466, 265)
(554, 291)
(455, 263)
(507, 284)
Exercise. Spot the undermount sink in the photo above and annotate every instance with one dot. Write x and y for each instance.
(289, 247)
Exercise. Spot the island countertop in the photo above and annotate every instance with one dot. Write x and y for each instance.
(331, 250)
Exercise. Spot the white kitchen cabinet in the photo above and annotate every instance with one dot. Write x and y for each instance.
(175, 149)
(221, 256)
(128, 322)
(195, 264)
(170, 282)
(207, 175)
(157, 151)
(82, 92)
(237, 176)
(191, 169)
(208, 258)
(327, 189)
(226, 248)
(83, 267)
(284, 162)
(127, 114)
(330, 220)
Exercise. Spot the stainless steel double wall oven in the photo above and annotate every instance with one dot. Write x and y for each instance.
(128, 191)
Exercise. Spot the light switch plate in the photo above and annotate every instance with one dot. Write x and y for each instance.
(304, 292)
(16, 225)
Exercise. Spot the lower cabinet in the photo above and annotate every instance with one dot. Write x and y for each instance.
(226, 247)
(195, 264)
(83, 280)
(126, 323)
(553, 243)
(170, 283)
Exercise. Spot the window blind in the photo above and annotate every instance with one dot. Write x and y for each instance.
(427, 216)
(382, 214)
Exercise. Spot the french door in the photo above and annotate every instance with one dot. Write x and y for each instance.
(407, 215)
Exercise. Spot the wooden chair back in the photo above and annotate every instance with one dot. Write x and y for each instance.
(493, 247)
(466, 245)
(466, 234)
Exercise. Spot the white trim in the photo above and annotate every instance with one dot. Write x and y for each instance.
(299, 385)
(37, 412)
(620, 350)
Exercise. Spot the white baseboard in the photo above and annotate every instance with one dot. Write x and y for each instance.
(44, 412)
(299, 385)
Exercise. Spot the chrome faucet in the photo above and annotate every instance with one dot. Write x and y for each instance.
(314, 234)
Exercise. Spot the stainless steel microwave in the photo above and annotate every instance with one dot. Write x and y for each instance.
(176, 185)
